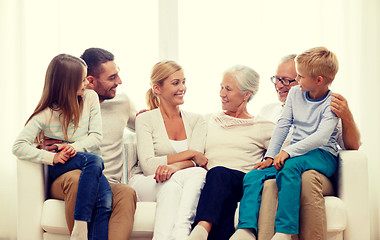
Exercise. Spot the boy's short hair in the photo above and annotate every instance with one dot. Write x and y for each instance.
(319, 61)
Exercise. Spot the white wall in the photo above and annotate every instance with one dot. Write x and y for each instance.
(208, 37)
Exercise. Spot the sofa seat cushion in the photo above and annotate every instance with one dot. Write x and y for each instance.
(53, 219)
(144, 219)
(335, 214)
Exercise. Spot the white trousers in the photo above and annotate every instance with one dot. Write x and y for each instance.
(177, 200)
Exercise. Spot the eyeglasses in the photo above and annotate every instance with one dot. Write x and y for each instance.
(284, 82)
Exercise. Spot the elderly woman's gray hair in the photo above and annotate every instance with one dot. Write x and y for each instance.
(247, 79)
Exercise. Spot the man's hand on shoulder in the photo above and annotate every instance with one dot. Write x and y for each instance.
(142, 111)
(339, 106)
(48, 144)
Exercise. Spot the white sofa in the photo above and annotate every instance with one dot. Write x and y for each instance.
(41, 218)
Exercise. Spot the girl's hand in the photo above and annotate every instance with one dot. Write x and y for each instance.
(65, 152)
(164, 172)
(200, 159)
(279, 160)
(264, 164)
(61, 157)
(68, 149)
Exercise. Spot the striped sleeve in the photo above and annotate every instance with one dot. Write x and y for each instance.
(24, 149)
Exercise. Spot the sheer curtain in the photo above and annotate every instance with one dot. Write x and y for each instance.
(205, 37)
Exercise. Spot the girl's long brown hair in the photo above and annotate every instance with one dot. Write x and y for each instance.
(63, 79)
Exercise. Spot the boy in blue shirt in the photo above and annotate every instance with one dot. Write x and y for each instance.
(312, 146)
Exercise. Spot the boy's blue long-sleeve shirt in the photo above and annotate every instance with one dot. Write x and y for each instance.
(314, 125)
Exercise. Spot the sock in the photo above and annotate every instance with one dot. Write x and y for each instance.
(198, 233)
(79, 231)
(243, 233)
(282, 236)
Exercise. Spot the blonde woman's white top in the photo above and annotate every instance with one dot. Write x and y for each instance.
(153, 143)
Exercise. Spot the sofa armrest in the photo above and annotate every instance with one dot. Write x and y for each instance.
(353, 190)
(31, 190)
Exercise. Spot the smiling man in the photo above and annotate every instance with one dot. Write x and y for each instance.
(284, 79)
(118, 112)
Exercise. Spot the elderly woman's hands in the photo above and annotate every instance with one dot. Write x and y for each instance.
(264, 164)
(200, 159)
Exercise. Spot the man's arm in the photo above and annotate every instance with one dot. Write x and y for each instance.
(350, 131)
(132, 114)
(48, 144)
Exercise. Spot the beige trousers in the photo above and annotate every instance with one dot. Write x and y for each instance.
(313, 225)
(123, 207)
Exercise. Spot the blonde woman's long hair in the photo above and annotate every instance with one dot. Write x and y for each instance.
(63, 79)
(160, 72)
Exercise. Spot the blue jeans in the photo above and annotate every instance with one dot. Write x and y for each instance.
(94, 197)
(289, 189)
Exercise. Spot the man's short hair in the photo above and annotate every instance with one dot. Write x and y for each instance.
(94, 57)
(319, 61)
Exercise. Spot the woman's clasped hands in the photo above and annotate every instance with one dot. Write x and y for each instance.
(164, 172)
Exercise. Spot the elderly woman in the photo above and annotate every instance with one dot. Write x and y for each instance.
(235, 142)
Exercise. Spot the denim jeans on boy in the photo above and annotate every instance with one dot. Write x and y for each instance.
(289, 189)
(94, 197)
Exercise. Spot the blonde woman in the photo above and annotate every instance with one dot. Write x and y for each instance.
(170, 146)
